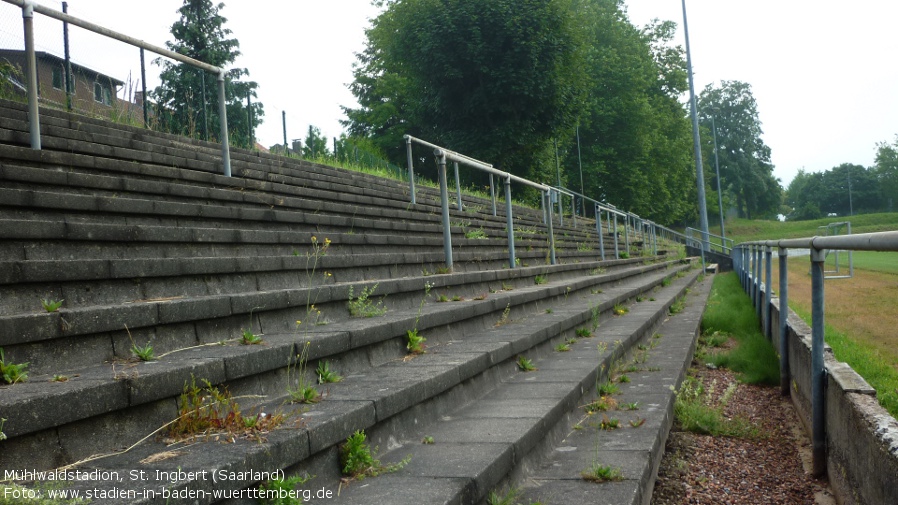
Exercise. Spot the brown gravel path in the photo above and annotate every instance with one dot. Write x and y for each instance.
(699, 469)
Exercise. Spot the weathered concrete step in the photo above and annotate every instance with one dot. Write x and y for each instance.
(386, 395)
(337, 176)
(510, 422)
(635, 451)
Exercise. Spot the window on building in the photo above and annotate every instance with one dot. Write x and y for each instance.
(102, 94)
(58, 82)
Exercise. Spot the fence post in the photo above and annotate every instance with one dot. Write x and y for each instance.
(627, 233)
(551, 234)
(493, 194)
(444, 205)
(223, 119)
(411, 168)
(34, 121)
(768, 300)
(574, 210)
(818, 431)
(143, 84)
(616, 252)
(457, 186)
(599, 231)
(509, 223)
(783, 323)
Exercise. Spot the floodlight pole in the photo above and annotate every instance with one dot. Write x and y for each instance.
(696, 141)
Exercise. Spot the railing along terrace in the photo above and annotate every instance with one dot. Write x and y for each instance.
(29, 7)
(444, 155)
(697, 242)
(754, 259)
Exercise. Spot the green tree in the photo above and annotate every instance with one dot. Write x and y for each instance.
(180, 102)
(635, 139)
(886, 170)
(745, 167)
(315, 144)
(491, 79)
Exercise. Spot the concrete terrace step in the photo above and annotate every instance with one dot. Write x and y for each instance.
(519, 435)
(554, 475)
(97, 388)
(274, 168)
(394, 396)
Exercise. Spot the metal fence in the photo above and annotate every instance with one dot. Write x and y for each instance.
(29, 8)
(753, 260)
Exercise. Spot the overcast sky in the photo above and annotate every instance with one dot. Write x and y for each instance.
(821, 71)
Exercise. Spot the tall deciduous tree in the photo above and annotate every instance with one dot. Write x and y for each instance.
(201, 35)
(745, 167)
(886, 170)
(493, 79)
(635, 139)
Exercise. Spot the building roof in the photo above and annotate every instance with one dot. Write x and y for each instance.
(43, 55)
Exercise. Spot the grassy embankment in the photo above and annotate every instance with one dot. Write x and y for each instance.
(860, 312)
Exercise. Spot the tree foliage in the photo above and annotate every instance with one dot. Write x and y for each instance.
(745, 168)
(886, 170)
(635, 139)
(492, 79)
(508, 81)
(180, 102)
(843, 190)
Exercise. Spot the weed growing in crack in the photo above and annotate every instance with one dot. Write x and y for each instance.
(51, 305)
(364, 306)
(677, 306)
(12, 372)
(503, 319)
(526, 364)
(325, 374)
(427, 440)
(620, 310)
(609, 424)
(631, 406)
(540, 279)
(250, 338)
(608, 388)
(415, 341)
(208, 410)
(562, 347)
(583, 333)
(602, 473)
(636, 423)
(623, 379)
(299, 388)
(604, 403)
(357, 462)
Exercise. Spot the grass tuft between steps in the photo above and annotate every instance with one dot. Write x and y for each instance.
(729, 311)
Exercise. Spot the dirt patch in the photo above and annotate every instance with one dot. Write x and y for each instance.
(700, 469)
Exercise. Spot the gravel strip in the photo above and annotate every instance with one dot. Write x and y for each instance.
(700, 469)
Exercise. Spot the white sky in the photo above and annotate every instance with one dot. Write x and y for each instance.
(821, 70)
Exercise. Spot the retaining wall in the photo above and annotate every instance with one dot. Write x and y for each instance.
(861, 437)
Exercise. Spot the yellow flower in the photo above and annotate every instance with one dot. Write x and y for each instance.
(314, 238)
(298, 322)
(327, 241)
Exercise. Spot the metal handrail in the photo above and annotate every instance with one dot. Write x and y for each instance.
(29, 7)
(724, 248)
(443, 155)
(752, 259)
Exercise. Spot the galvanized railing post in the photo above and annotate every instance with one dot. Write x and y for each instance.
(818, 377)
(599, 231)
(223, 119)
(783, 322)
(757, 285)
(444, 206)
(457, 186)
(616, 250)
(574, 210)
(654, 239)
(768, 289)
(627, 233)
(411, 170)
(509, 223)
(551, 236)
(34, 121)
(493, 194)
